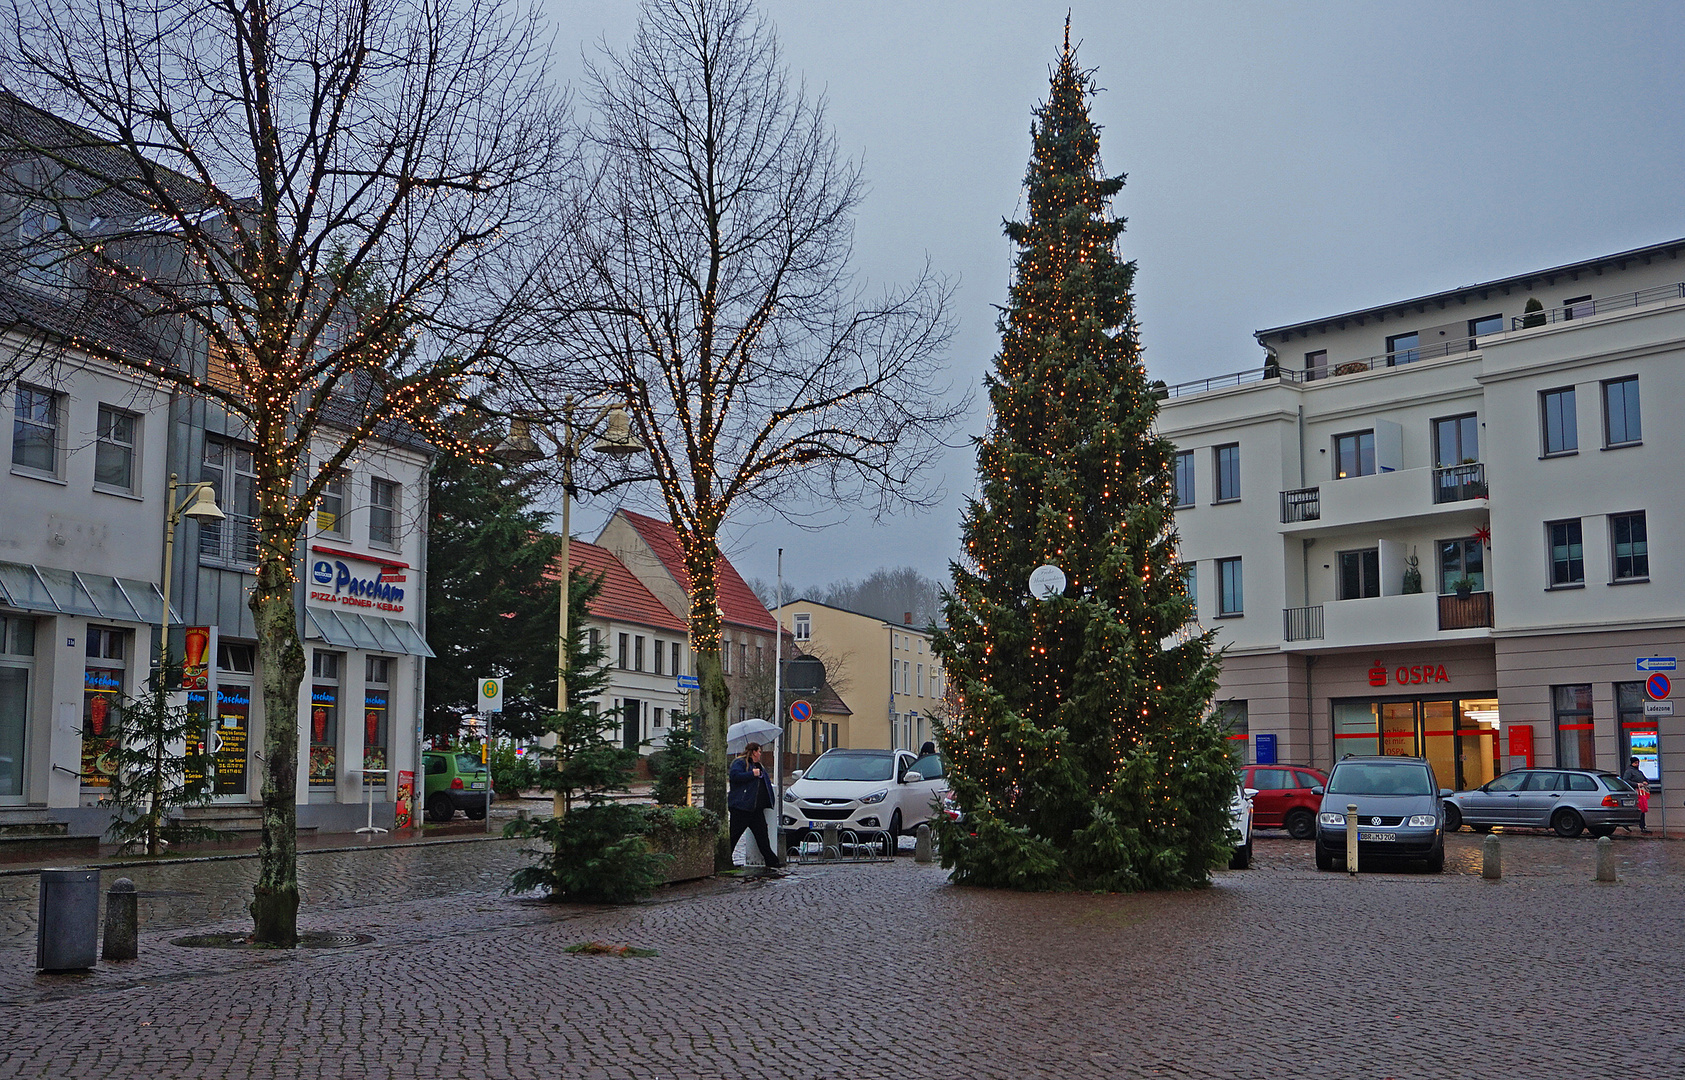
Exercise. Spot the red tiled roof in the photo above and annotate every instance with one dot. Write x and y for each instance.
(624, 598)
(738, 602)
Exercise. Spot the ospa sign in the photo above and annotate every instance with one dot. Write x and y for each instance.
(1413, 675)
(347, 588)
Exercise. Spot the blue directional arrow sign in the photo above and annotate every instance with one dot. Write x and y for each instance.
(1657, 663)
(689, 682)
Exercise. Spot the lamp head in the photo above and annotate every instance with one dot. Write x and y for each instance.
(518, 448)
(203, 505)
(618, 440)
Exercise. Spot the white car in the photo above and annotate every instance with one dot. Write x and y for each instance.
(891, 791)
(1240, 816)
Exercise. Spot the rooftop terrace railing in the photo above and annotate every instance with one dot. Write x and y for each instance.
(1570, 312)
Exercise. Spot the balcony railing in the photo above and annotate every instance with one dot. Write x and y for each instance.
(1459, 483)
(231, 541)
(1465, 613)
(1305, 504)
(1580, 310)
(1302, 623)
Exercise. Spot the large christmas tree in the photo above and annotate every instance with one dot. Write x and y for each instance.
(1080, 746)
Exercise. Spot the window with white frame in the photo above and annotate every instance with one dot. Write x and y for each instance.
(330, 510)
(36, 416)
(383, 512)
(804, 626)
(230, 469)
(114, 449)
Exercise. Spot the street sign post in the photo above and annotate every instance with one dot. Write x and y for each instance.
(1656, 663)
(1658, 686)
(689, 682)
(1658, 708)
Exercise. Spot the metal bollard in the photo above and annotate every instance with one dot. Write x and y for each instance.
(1605, 859)
(921, 847)
(1351, 838)
(122, 922)
(1491, 859)
(67, 929)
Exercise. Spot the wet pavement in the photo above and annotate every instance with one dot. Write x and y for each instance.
(885, 970)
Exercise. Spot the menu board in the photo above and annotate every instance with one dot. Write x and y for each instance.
(324, 734)
(102, 698)
(195, 746)
(374, 734)
(229, 736)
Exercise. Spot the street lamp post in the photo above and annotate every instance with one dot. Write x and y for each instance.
(199, 504)
(520, 448)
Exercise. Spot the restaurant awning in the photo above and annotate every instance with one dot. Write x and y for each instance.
(77, 592)
(350, 630)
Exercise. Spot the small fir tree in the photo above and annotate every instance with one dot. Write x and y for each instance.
(161, 765)
(596, 852)
(1080, 749)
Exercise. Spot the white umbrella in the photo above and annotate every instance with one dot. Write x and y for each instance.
(744, 732)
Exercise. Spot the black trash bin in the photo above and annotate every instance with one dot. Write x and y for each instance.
(67, 932)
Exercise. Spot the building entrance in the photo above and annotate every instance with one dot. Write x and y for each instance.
(1458, 736)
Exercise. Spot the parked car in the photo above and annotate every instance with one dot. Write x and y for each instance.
(455, 780)
(1399, 811)
(1286, 798)
(1570, 801)
(1240, 815)
(893, 791)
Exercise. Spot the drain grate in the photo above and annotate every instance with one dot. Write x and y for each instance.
(316, 939)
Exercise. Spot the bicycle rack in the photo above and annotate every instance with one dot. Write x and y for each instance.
(839, 845)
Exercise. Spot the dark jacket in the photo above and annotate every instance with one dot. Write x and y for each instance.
(748, 791)
(1634, 776)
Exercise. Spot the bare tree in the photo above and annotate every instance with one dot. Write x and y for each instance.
(711, 287)
(324, 213)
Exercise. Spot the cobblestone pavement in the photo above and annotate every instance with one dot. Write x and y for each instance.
(886, 971)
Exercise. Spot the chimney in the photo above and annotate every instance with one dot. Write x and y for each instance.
(907, 618)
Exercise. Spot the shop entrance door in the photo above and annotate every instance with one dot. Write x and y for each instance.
(1458, 737)
(1439, 741)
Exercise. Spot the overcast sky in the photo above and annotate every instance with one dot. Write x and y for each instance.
(1284, 160)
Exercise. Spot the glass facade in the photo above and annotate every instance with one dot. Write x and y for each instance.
(1458, 736)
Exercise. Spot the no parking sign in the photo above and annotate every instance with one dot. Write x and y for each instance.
(801, 711)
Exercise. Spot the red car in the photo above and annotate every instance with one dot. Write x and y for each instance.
(1284, 798)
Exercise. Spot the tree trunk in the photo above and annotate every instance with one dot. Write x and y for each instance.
(281, 659)
(701, 561)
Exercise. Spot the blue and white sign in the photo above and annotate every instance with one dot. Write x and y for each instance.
(1657, 663)
(689, 682)
(1264, 746)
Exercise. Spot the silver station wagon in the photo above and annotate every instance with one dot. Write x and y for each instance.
(1571, 801)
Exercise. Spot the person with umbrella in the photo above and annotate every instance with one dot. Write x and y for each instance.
(749, 799)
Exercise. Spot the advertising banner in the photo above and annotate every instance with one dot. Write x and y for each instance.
(404, 814)
(102, 690)
(324, 734)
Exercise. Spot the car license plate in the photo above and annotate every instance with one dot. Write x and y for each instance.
(1629, 802)
(1377, 836)
(478, 785)
(818, 826)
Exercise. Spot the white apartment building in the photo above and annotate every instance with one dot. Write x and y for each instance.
(1450, 436)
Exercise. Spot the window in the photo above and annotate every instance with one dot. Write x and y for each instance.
(919, 684)
(638, 653)
(1229, 597)
(324, 665)
(35, 430)
(1567, 553)
(1354, 455)
(383, 512)
(1228, 472)
(657, 654)
(114, 449)
(1562, 435)
(1638, 735)
(1190, 583)
(676, 670)
(232, 474)
(1459, 559)
(1576, 748)
(760, 658)
(1231, 717)
(330, 511)
(804, 627)
(1360, 574)
(377, 700)
(1620, 412)
(743, 658)
(236, 659)
(44, 242)
(1578, 307)
(104, 644)
(620, 654)
(1456, 441)
(593, 638)
(1403, 348)
(1185, 478)
(655, 717)
(17, 646)
(1490, 324)
(1272, 779)
(324, 718)
(725, 656)
(1316, 365)
(1632, 548)
(379, 669)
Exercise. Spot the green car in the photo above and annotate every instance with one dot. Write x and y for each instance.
(456, 780)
